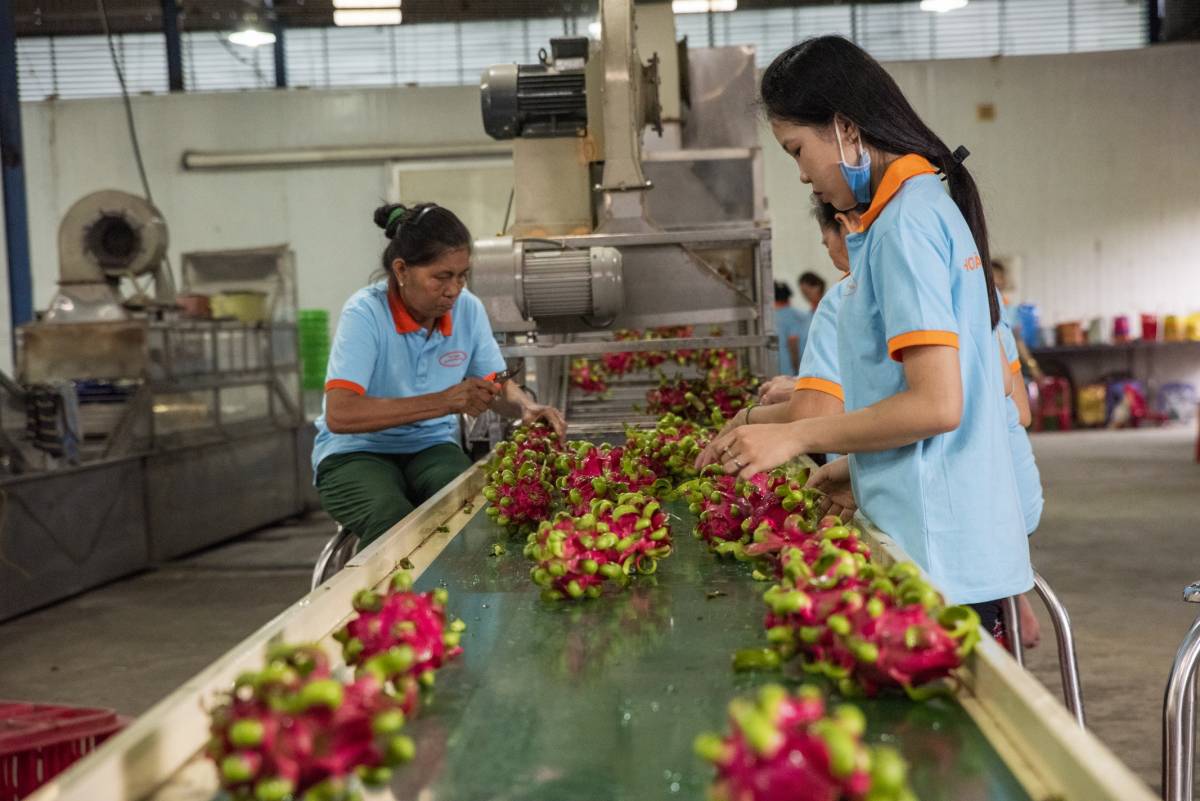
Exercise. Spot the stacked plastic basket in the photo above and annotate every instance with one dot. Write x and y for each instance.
(314, 346)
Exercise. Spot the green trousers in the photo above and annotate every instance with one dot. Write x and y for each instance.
(369, 492)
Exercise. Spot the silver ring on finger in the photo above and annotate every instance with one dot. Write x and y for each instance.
(739, 464)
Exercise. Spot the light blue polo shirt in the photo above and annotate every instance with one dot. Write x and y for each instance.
(819, 362)
(380, 351)
(950, 500)
(791, 322)
(1029, 478)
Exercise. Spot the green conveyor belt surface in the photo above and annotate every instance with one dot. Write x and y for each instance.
(600, 700)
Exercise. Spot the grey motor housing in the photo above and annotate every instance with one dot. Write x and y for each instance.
(537, 100)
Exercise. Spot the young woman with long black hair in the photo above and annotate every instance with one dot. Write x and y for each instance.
(925, 418)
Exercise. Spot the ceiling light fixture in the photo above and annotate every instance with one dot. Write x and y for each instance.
(349, 17)
(942, 6)
(702, 6)
(357, 4)
(251, 37)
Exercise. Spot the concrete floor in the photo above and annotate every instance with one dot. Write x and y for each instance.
(1115, 543)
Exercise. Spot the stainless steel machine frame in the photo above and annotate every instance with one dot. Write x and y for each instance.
(209, 443)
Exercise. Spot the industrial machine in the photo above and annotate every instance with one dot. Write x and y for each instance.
(129, 426)
(617, 228)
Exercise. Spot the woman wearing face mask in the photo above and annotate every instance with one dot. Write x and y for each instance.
(921, 374)
(410, 354)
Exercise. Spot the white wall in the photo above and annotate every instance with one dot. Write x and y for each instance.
(76, 147)
(1089, 171)
(1090, 174)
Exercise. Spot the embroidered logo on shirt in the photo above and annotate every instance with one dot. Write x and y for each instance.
(453, 358)
(973, 263)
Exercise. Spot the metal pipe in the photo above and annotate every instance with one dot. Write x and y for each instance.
(170, 20)
(1012, 629)
(1068, 663)
(326, 156)
(1179, 712)
(12, 175)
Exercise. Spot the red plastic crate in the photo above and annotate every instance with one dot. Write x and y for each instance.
(40, 741)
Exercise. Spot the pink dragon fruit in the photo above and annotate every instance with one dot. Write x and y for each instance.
(588, 376)
(784, 747)
(401, 637)
(602, 471)
(796, 533)
(520, 487)
(766, 508)
(670, 448)
(576, 555)
(863, 628)
(291, 730)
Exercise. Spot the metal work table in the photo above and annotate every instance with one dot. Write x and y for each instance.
(603, 699)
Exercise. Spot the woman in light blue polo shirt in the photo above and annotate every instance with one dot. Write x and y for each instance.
(410, 354)
(925, 422)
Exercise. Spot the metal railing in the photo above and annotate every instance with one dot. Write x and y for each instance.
(1179, 712)
(1068, 662)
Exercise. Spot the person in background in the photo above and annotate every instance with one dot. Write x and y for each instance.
(1000, 271)
(791, 325)
(812, 287)
(411, 353)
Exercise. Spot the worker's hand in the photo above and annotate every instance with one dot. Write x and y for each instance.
(472, 396)
(710, 454)
(833, 479)
(553, 417)
(778, 390)
(751, 449)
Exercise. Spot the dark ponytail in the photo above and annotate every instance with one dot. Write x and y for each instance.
(809, 83)
(419, 234)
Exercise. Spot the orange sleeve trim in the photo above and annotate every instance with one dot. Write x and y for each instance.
(1015, 366)
(913, 338)
(338, 383)
(822, 385)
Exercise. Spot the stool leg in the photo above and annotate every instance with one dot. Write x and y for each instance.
(1012, 629)
(1068, 663)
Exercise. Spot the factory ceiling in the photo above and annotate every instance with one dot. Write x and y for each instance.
(82, 17)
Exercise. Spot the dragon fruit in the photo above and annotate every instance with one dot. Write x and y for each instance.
(732, 512)
(796, 532)
(785, 747)
(520, 485)
(291, 731)
(602, 471)
(589, 376)
(401, 637)
(709, 402)
(670, 448)
(862, 627)
(575, 555)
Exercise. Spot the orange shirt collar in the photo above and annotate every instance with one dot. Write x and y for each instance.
(405, 324)
(894, 177)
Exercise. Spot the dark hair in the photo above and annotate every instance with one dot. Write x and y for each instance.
(812, 279)
(826, 216)
(419, 234)
(783, 292)
(998, 266)
(809, 83)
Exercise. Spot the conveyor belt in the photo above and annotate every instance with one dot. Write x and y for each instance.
(602, 699)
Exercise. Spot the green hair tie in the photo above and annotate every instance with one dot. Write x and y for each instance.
(396, 213)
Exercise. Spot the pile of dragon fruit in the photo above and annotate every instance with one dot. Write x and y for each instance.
(787, 747)
(723, 389)
(295, 730)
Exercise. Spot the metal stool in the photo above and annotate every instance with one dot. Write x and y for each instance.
(1068, 662)
(1179, 712)
(337, 552)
